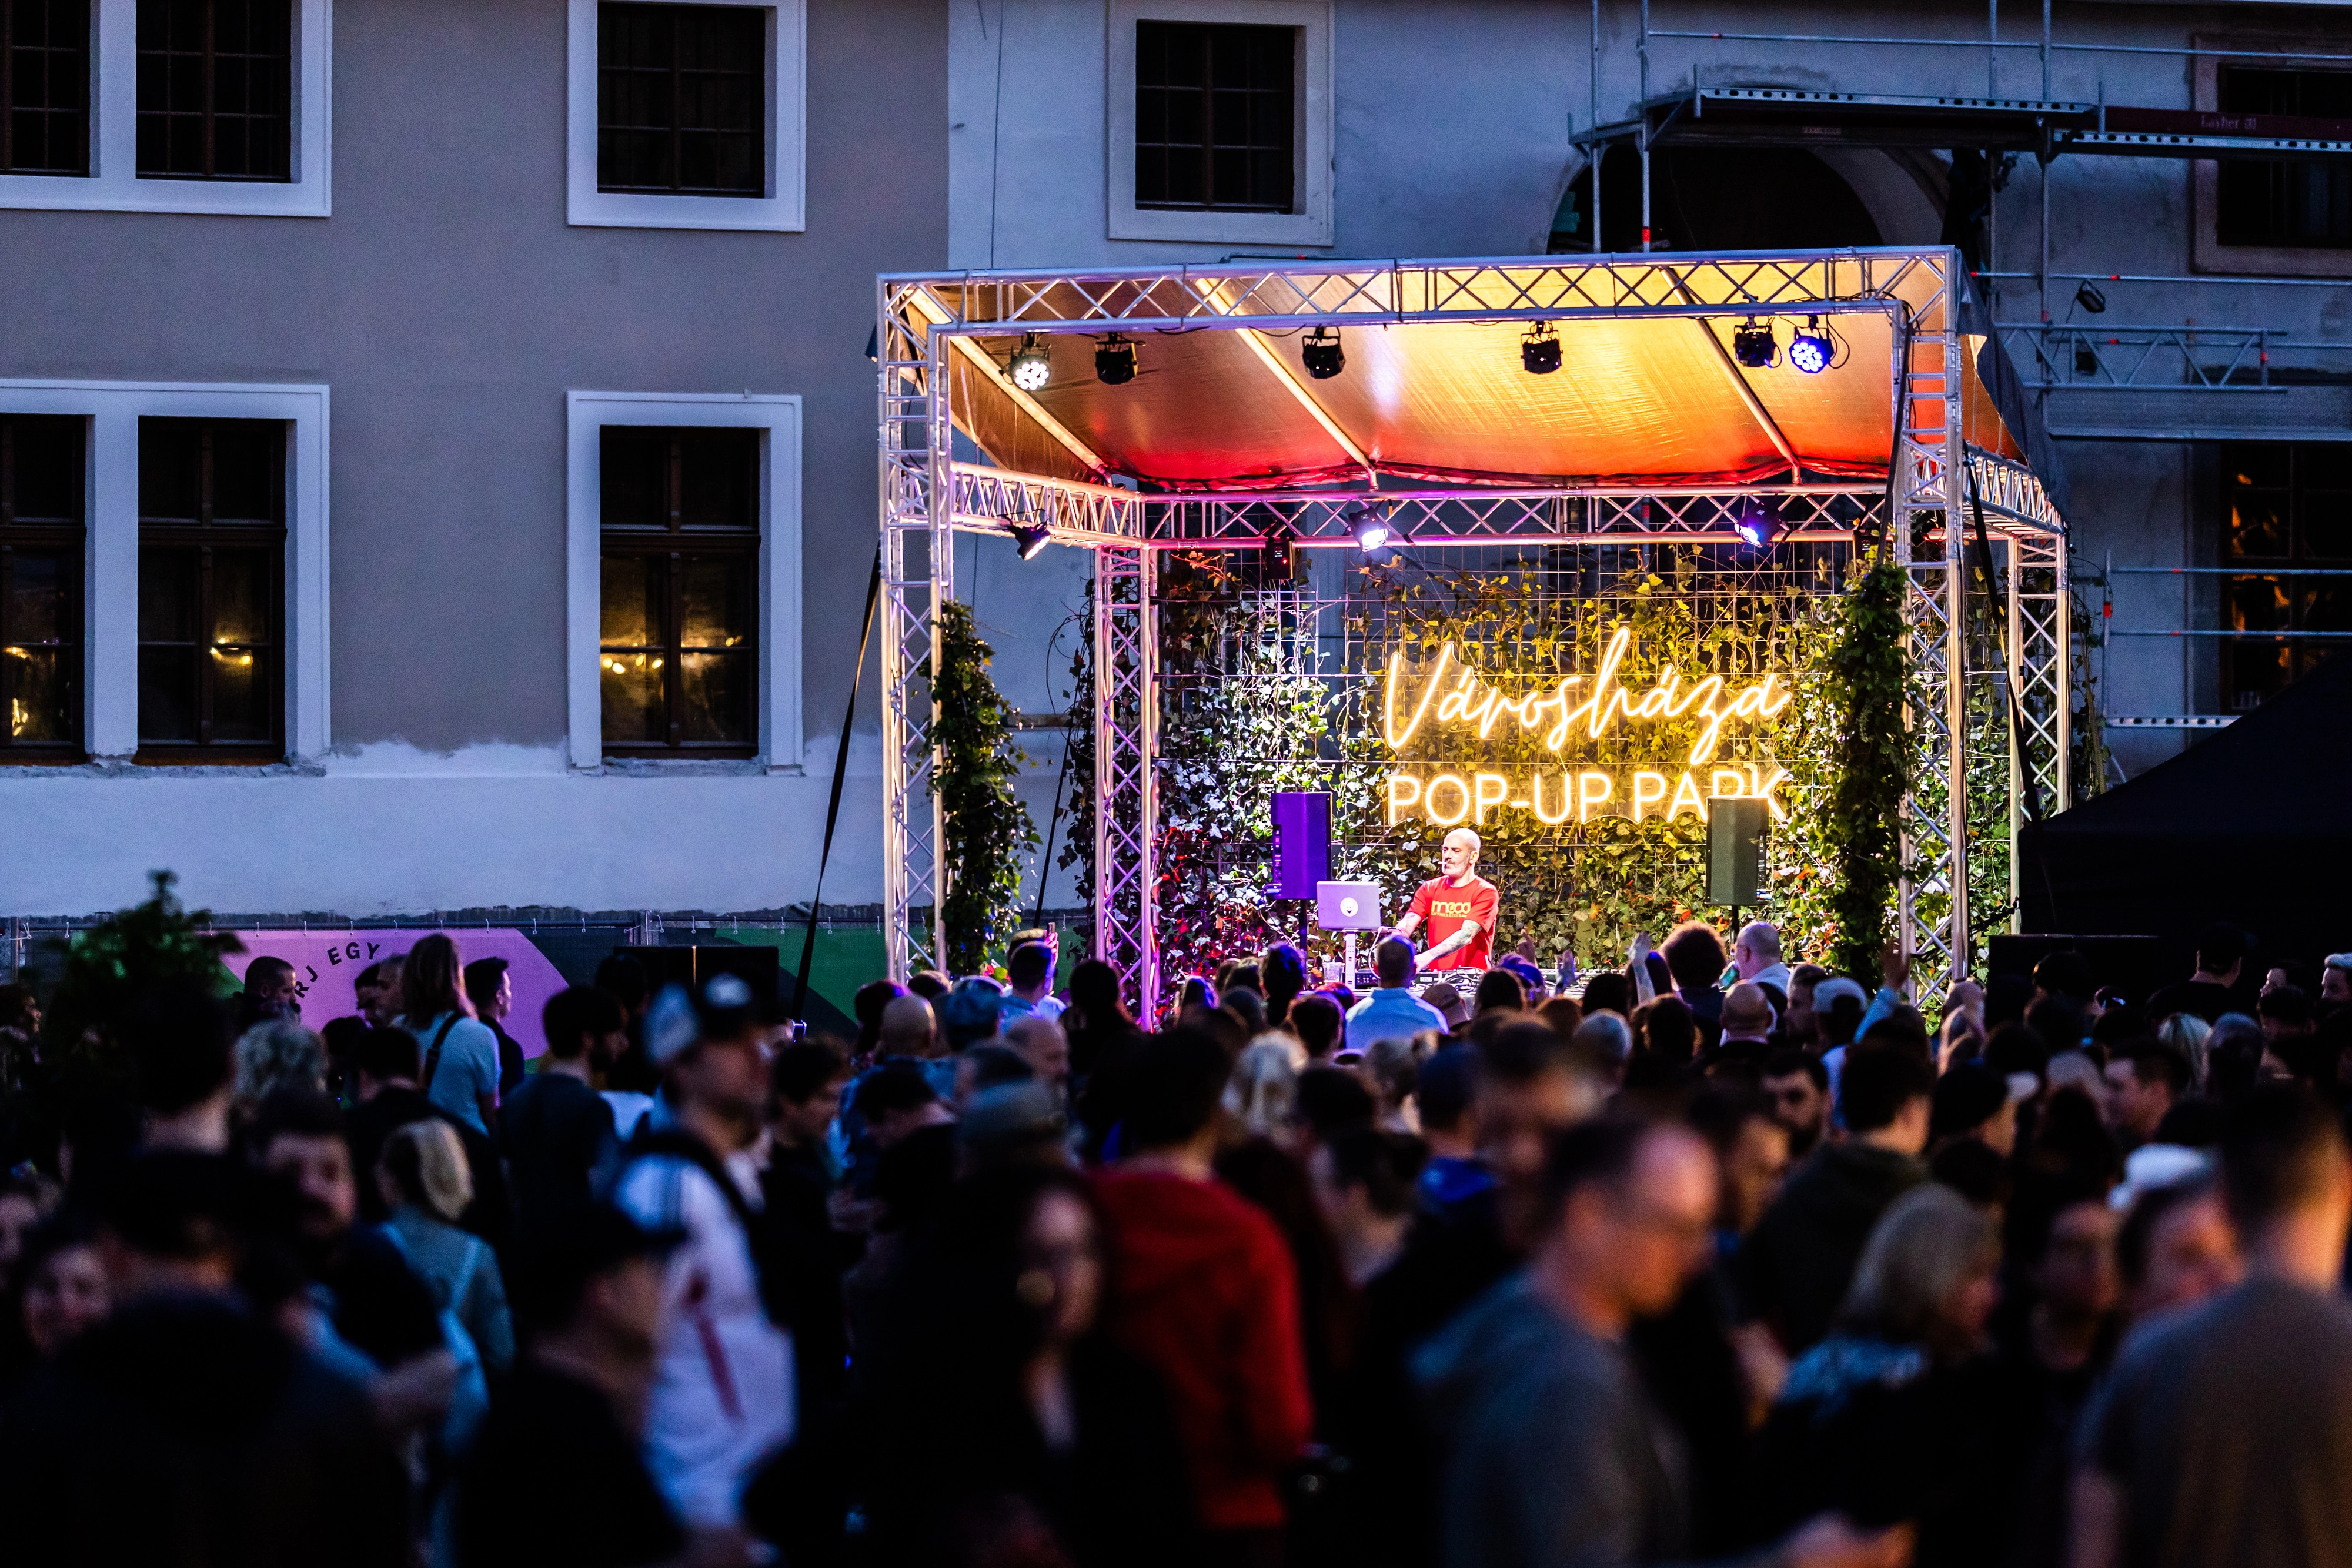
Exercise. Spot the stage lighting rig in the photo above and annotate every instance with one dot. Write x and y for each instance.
(1321, 353)
(1029, 367)
(1373, 529)
(1281, 538)
(1028, 538)
(1539, 350)
(1753, 346)
(1759, 522)
(1114, 360)
(1814, 350)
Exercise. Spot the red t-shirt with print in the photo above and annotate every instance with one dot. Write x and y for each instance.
(1446, 907)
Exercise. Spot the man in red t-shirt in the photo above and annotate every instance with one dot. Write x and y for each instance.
(1459, 906)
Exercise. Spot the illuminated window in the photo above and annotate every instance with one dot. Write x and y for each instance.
(682, 100)
(2284, 504)
(1216, 118)
(41, 522)
(2304, 203)
(211, 576)
(45, 87)
(215, 89)
(678, 601)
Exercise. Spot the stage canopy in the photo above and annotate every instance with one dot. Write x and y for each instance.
(1642, 399)
(2247, 826)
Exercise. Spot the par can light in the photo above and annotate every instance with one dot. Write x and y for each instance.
(1539, 350)
(1759, 522)
(1753, 346)
(1029, 367)
(1813, 351)
(1028, 538)
(1114, 360)
(1371, 525)
(1321, 353)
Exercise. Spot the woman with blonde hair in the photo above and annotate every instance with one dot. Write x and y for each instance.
(1896, 1415)
(426, 1184)
(459, 1054)
(2187, 1033)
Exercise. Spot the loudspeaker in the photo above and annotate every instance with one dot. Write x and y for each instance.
(1735, 851)
(1302, 843)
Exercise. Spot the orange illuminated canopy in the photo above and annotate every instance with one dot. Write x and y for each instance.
(1222, 399)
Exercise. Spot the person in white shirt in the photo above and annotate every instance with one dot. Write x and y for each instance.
(1758, 956)
(1030, 967)
(722, 1397)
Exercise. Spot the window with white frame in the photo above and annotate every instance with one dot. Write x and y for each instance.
(1219, 120)
(687, 115)
(684, 577)
(168, 106)
(194, 540)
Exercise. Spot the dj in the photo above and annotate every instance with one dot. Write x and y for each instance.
(1460, 908)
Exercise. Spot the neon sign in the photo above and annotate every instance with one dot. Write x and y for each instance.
(1471, 702)
(1451, 699)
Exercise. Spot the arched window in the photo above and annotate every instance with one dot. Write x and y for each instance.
(1716, 198)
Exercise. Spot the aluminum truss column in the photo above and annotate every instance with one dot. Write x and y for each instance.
(2041, 653)
(1127, 743)
(1932, 919)
(917, 575)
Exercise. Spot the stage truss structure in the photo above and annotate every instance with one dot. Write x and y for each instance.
(1938, 488)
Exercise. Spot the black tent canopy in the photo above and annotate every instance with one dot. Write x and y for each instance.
(2253, 826)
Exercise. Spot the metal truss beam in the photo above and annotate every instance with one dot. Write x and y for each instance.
(1126, 748)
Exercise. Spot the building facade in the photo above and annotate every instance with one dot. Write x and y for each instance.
(437, 448)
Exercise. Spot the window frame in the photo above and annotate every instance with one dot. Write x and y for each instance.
(70, 539)
(1309, 221)
(2207, 253)
(110, 547)
(113, 183)
(779, 621)
(2288, 572)
(7, 97)
(781, 209)
(204, 534)
(671, 545)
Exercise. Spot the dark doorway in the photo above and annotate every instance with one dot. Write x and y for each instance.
(1716, 198)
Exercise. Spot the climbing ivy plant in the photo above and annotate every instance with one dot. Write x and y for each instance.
(1861, 822)
(985, 829)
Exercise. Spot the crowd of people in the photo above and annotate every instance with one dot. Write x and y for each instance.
(1720, 1258)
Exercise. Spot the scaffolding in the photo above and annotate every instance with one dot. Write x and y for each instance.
(928, 324)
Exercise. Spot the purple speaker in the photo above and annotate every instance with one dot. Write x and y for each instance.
(1302, 843)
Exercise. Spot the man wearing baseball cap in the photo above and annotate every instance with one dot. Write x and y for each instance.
(722, 1393)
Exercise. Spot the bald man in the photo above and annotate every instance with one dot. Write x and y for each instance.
(1460, 908)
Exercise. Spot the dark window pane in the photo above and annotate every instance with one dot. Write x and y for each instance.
(170, 469)
(168, 595)
(215, 89)
(2257, 525)
(45, 87)
(41, 587)
(719, 478)
(631, 603)
(241, 694)
(715, 699)
(633, 702)
(714, 600)
(44, 696)
(167, 695)
(682, 99)
(247, 469)
(242, 592)
(2302, 203)
(44, 479)
(1214, 111)
(634, 489)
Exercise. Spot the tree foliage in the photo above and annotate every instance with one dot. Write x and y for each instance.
(1861, 826)
(106, 967)
(985, 829)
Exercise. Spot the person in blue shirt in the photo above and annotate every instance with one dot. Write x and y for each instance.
(1391, 1013)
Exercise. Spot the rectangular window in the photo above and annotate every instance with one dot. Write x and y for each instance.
(682, 100)
(211, 574)
(678, 602)
(2284, 504)
(215, 89)
(1215, 116)
(42, 517)
(2302, 203)
(45, 87)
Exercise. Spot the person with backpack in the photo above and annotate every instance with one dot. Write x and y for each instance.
(460, 1071)
(722, 1397)
(427, 1185)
